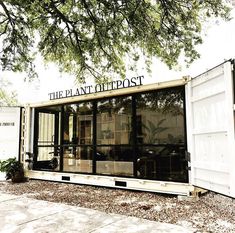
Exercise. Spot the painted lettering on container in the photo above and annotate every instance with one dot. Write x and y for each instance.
(84, 90)
(7, 124)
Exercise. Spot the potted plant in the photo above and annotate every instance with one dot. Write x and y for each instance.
(13, 168)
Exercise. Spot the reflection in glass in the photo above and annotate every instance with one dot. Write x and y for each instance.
(114, 121)
(78, 123)
(114, 117)
(77, 159)
(114, 160)
(77, 156)
(160, 125)
(160, 117)
(46, 133)
(48, 159)
(164, 162)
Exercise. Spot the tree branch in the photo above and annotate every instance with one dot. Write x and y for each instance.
(7, 13)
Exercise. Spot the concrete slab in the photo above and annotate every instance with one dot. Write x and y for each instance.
(25, 215)
(2, 176)
(137, 225)
(5, 197)
(18, 211)
(77, 220)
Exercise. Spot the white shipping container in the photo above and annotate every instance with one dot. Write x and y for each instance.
(9, 132)
(210, 130)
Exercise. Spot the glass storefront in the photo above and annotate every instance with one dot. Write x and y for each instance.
(140, 135)
(161, 135)
(77, 137)
(113, 126)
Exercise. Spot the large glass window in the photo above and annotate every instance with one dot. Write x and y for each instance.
(114, 123)
(160, 135)
(142, 135)
(77, 137)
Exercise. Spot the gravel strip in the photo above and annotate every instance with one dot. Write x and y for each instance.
(210, 213)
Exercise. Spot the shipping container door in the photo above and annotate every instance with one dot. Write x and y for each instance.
(210, 130)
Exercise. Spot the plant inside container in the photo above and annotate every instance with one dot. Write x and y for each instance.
(14, 170)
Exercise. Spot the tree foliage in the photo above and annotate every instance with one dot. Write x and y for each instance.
(7, 98)
(94, 37)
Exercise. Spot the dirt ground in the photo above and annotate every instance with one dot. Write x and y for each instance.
(210, 213)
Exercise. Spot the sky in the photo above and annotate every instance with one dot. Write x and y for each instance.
(218, 46)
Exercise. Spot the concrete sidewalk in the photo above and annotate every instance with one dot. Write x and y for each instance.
(20, 214)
